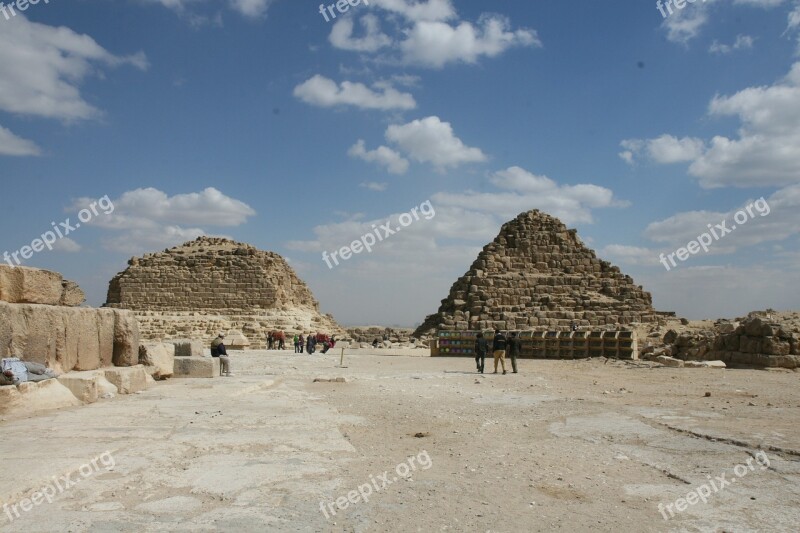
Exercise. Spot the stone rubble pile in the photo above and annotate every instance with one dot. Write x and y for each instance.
(537, 274)
(753, 341)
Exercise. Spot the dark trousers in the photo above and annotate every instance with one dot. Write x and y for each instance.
(513, 362)
(480, 360)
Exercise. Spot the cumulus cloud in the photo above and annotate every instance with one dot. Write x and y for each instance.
(521, 190)
(664, 149)
(766, 152)
(432, 141)
(148, 218)
(13, 145)
(383, 156)
(373, 40)
(42, 67)
(429, 34)
(434, 44)
(67, 245)
(324, 92)
(685, 24)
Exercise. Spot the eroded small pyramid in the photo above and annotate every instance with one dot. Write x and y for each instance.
(537, 274)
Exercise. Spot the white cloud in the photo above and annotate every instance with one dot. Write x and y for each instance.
(743, 42)
(685, 24)
(766, 152)
(383, 156)
(629, 255)
(773, 220)
(12, 145)
(149, 219)
(67, 245)
(42, 66)
(247, 8)
(416, 11)
(521, 190)
(432, 141)
(324, 92)
(665, 149)
(375, 186)
(435, 44)
(373, 40)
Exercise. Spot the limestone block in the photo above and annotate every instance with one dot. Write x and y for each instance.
(188, 348)
(669, 361)
(196, 367)
(31, 397)
(72, 295)
(128, 380)
(30, 285)
(126, 339)
(235, 340)
(775, 346)
(704, 364)
(84, 385)
(158, 356)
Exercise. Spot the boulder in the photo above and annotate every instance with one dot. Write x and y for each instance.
(704, 364)
(30, 397)
(188, 348)
(159, 356)
(196, 367)
(235, 340)
(128, 380)
(84, 385)
(72, 295)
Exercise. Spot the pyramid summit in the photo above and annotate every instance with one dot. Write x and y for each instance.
(537, 274)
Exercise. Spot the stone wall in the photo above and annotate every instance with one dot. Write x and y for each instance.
(537, 274)
(39, 323)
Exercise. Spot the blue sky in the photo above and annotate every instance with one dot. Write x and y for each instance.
(260, 121)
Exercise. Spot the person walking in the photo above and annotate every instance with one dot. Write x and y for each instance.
(499, 350)
(296, 342)
(514, 350)
(218, 350)
(302, 344)
(481, 347)
(281, 340)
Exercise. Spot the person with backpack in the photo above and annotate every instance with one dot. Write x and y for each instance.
(499, 350)
(481, 347)
(514, 350)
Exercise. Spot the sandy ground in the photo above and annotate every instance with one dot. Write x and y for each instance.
(563, 445)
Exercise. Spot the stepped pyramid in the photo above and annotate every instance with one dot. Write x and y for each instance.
(537, 274)
(212, 284)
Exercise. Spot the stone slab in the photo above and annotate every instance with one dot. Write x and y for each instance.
(196, 367)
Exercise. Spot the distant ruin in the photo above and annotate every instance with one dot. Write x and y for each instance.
(537, 274)
(209, 285)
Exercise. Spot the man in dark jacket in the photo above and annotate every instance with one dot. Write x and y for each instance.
(514, 350)
(499, 350)
(481, 347)
(218, 350)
